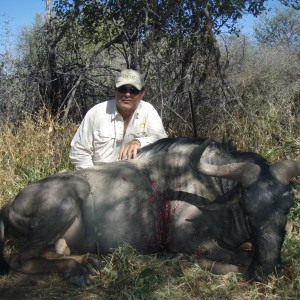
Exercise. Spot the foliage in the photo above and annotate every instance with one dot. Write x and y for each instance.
(69, 63)
(142, 16)
(170, 41)
(23, 74)
(282, 28)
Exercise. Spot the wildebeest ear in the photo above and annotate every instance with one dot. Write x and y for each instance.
(197, 153)
(296, 191)
(285, 170)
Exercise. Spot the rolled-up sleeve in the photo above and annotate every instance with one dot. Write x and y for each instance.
(81, 150)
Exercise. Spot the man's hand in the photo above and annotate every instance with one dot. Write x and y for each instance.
(129, 150)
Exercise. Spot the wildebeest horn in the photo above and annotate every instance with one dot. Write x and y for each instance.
(244, 172)
(285, 170)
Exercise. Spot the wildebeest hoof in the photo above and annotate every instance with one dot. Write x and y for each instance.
(79, 280)
(254, 274)
(91, 263)
(4, 267)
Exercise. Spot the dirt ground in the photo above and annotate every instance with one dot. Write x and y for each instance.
(23, 286)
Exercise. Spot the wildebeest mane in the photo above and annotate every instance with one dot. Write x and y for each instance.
(164, 145)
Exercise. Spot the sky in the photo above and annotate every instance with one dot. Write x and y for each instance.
(20, 12)
(15, 14)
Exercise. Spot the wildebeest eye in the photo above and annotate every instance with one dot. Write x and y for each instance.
(295, 191)
(286, 194)
(287, 201)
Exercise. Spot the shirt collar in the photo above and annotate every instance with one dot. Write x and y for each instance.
(116, 116)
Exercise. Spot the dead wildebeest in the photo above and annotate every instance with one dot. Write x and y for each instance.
(181, 195)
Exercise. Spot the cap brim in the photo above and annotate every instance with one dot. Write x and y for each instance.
(138, 86)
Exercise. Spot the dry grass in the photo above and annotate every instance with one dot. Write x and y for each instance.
(271, 135)
(38, 146)
(126, 274)
(34, 148)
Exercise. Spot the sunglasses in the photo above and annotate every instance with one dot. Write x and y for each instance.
(123, 89)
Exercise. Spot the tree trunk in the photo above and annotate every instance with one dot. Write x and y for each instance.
(54, 87)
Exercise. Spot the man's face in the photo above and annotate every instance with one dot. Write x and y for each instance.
(128, 98)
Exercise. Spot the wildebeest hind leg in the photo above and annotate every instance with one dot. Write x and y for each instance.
(28, 261)
(89, 261)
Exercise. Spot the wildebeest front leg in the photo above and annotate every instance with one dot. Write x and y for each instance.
(220, 260)
(220, 268)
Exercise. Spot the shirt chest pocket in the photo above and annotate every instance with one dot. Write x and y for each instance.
(138, 132)
(105, 134)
